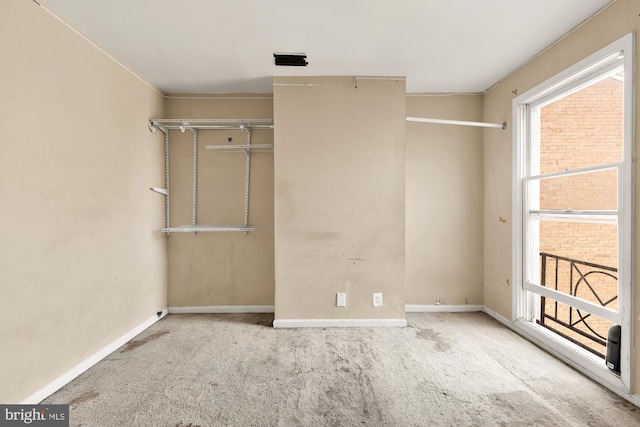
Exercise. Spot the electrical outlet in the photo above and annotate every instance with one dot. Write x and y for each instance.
(341, 299)
(377, 300)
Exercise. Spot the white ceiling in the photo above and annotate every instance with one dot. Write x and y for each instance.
(227, 46)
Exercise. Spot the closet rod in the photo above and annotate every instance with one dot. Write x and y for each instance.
(458, 122)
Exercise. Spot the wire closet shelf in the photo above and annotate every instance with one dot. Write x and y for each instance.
(194, 126)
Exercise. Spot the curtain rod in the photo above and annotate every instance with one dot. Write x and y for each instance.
(458, 122)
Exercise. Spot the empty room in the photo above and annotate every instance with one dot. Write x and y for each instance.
(286, 213)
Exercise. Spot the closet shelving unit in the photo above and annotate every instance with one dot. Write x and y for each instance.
(195, 125)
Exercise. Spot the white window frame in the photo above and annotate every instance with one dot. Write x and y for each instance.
(523, 311)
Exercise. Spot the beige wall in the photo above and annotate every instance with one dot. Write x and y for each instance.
(80, 261)
(226, 268)
(620, 18)
(444, 193)
(339, 197)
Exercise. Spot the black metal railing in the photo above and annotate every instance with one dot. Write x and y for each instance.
(579, 278)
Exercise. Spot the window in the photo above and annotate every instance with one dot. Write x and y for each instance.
(573, 208)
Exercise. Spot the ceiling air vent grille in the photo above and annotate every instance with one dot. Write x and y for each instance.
(291, 59)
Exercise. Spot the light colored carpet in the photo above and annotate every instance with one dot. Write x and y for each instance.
(444, 369)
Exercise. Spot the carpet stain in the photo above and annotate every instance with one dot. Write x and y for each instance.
(271, 360)
(351, 387)
(435, 337)
(571, 405)
(265, 322)
(187, 425)
(83, 398)
(132, 345)
(520, 405)
(627, 405)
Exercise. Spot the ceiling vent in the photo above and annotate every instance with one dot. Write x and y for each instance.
(291, 59)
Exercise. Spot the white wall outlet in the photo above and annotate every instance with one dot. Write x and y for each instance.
(377, 300)
(341, 299)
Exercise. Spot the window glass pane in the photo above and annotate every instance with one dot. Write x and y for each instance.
(584, 128)
(586, 330)
(593, 243)
(580, 259)
(588, 191)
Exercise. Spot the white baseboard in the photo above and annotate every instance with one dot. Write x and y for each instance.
(338, 323)
(416, 308)
(221, 309)
(500, 318)
(80, 368)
